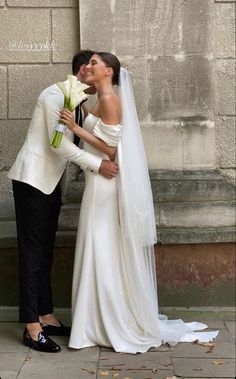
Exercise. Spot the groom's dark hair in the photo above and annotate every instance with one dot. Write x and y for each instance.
(82, 57)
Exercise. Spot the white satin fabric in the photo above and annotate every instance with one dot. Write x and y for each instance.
(114, 297)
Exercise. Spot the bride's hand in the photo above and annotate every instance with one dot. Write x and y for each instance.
(68, 118)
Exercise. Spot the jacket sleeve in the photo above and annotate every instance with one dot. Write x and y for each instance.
(67, 149)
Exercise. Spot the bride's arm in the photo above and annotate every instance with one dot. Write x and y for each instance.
(108, 115)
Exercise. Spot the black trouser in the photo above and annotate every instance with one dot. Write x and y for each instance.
(36, 220)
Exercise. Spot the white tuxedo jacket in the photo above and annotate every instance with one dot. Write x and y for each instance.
(38, 163)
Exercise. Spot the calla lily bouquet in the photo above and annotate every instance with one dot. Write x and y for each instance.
(73, 95)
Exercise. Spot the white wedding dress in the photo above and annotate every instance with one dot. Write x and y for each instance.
(114, 296)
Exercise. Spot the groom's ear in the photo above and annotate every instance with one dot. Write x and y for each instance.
(82, 72)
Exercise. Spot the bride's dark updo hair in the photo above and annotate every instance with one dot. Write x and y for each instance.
(112, 61)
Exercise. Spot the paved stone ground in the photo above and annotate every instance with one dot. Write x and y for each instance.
(183, 361)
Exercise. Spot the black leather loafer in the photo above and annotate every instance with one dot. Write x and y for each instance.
(52, 330)
(44, 343)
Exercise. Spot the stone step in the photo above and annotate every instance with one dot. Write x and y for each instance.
(195, 215)
(66, 238)
(188, 205)
(8, 239)
(183, 215)
(175, 186)
(195, 235)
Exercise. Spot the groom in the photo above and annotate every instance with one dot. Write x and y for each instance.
(36, 176)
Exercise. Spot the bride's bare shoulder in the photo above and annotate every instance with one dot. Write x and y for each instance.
(110, 109)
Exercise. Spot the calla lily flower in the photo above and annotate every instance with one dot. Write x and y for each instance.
(73, 92)
(72, 81)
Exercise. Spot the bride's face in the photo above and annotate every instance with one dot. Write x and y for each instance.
(97, 70)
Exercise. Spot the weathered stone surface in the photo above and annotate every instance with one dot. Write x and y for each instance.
(9, 374)
(103, 362)
(10, 335)
(220, 350)
(185, 175)
(138, 69)
(126, 361)
(3, 93)
(174, 186)
(224, 30)
(198, 144)
(188, 275)
(25, 79)
(69, 216)
(11, 360)
(212, 214)
(141, 374)
(224, 335)
(229, 174)
(179, 144)
(74, 192)
(96, 25)
(196, 368)
(137, 366)
(202, 268)
(176, 194)
(197, 28)
(29, 40)
(196, 235)
(145, 28)
(6, 196)
(42, 3)
(225, 87)
(180, 189)
(65, 34)
(8, 234)
(138, 26)
(2, 3)
(11, 130)
(67, 364)
(231, 328)
(163, 144)
(182, 89)
(225, 141)
(170, 61)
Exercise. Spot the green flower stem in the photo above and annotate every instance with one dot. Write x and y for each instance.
(57, 136)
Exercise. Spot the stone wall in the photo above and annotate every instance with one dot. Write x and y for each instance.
(167, 46)
(224, 53)
(37, 41)
(181, 58)
(180, 54)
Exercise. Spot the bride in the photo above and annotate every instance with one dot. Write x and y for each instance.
(114, 294)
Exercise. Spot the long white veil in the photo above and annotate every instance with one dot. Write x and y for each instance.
(137, 219)
(138, 233)
(137, 197)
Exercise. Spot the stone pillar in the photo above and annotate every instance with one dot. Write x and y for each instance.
(167, 46)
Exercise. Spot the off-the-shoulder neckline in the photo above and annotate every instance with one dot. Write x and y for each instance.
(99, 118)
(93, 115)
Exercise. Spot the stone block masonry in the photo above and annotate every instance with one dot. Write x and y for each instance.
(38, 39)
